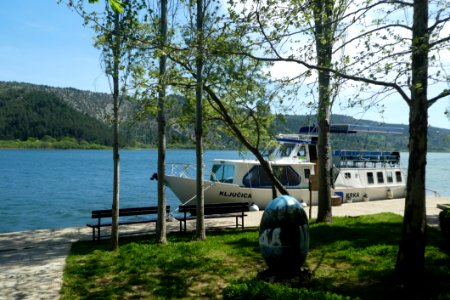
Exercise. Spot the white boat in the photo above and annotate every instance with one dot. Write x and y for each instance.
(359, 175)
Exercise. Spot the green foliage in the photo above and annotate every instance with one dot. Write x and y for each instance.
(26, 113)
(116, 5)
(235, 87)
(256, 289)
(352, 257)
(50, 143)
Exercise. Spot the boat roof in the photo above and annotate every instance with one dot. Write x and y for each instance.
(349, 128)
(293, 140)
(282, 161)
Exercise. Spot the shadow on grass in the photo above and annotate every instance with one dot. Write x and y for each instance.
(353, 256)
(357, 232)
(182, 268)
(364, 253)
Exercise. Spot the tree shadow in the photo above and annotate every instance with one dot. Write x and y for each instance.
(168, 276)
(175, 275)
(373, 282)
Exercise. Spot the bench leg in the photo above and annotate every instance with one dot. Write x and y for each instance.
(183, 225)
(93, 233)
(242, 222)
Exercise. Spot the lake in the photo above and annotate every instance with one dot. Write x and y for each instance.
(59, 188)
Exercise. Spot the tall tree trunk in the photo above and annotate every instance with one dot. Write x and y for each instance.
(410, 264)
(161, 223)
(116, 157)
(201, 234)
(323, 35)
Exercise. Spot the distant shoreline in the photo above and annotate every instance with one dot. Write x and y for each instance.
(50, 143)
(72, 144)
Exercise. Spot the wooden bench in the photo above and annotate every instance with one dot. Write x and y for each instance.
(214, 211)
(123, 212)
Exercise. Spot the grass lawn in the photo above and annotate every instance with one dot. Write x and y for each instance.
(354, 256)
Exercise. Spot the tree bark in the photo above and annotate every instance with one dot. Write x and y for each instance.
(323, 35)
(200, 228)
(410, 264)
(161, 223)
(116, 157)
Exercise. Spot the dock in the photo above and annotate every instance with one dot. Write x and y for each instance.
(32, 262)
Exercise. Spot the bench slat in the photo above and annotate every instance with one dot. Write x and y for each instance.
(123, 212)
(215, 210)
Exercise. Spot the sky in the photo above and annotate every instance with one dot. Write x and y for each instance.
(43, 42)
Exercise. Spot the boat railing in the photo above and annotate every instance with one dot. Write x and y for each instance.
(184, 170)
(364, 158)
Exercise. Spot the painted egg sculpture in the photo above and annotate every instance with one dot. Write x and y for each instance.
(284, 234)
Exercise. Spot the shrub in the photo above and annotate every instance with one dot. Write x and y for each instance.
(257, 289)
(444, 222)
(48, 139)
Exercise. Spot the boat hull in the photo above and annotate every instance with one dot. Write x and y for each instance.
(184, 189)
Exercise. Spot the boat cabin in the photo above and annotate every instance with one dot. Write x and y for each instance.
(251, 174)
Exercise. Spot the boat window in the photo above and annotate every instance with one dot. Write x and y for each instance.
(380, 177)
(286, 150)
(389, 177)
(301, 152)
(398, 176)
(370, 179)
(348, 175)
(222, 173)
(257, 177)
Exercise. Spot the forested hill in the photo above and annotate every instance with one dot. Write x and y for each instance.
(35, 111)
(96, 105)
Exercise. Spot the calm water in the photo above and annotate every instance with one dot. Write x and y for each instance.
(59, 188)
(54, 188)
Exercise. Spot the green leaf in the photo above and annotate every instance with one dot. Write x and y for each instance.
(116, 5)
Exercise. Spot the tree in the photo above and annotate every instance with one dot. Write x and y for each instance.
(115, 76)
(324, 36)
(320, 20)
(411, 255)
(200, 228)
(161, 224)
(384, 57)
(412, 60)
(114, 32)
(235, 88)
